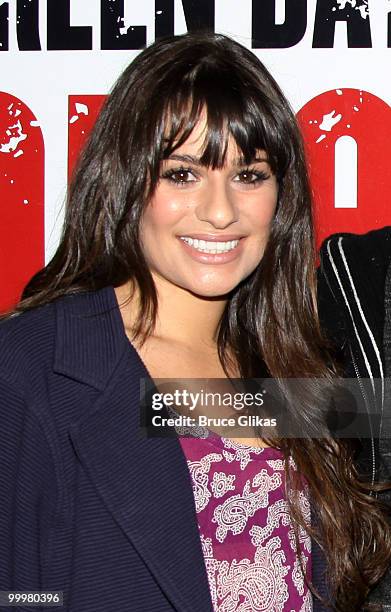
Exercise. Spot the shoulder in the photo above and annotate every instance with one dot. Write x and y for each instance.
(22, 323)
(364, 251)
(80, 335)
(28, 340)
(355, 263)
(25, 338)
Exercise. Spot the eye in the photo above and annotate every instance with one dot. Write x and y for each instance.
(251, 176)
(180, 176)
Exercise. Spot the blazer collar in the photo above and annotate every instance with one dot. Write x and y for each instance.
(90, 337)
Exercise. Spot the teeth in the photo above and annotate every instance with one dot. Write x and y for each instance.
(205, 246)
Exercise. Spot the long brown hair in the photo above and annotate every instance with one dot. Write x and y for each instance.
(271, 316)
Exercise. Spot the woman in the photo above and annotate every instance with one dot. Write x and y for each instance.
(187, 252)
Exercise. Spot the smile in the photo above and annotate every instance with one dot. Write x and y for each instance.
(205, 246)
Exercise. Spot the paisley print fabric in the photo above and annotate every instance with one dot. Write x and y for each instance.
(246, 534)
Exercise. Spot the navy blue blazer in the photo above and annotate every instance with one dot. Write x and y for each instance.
(88, 504)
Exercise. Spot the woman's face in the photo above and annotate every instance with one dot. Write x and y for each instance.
(206, 230)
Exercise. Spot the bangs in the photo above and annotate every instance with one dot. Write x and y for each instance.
(230, 109)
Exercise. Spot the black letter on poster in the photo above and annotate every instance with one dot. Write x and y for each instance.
(164, 18)
(4, 13)
(389, 31)
(61, 35)
(112, 20)
(199, 15)
(358, 27)
(266, 34)
(27, 25)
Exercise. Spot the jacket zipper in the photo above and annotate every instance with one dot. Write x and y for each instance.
(369, 416)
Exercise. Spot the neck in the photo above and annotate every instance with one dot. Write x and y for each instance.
(183, 317)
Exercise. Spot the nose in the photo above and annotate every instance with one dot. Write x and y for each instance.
(217, 205)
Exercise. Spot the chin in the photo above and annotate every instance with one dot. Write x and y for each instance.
(212, 286)
(211, 292)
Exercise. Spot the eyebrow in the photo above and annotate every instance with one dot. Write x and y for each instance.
(191, 159)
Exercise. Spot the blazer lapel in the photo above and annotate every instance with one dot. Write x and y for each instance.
(144, 482)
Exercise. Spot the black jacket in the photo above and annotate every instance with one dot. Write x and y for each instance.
(355, 311)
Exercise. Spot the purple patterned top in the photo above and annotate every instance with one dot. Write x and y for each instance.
(245, 530)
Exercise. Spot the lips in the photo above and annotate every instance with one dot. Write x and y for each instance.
(213, 237)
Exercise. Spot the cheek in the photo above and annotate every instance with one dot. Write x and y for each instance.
(263, 213)
(161, 214)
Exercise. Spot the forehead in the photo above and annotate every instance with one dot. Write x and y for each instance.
(199, 138)
(199, 134)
